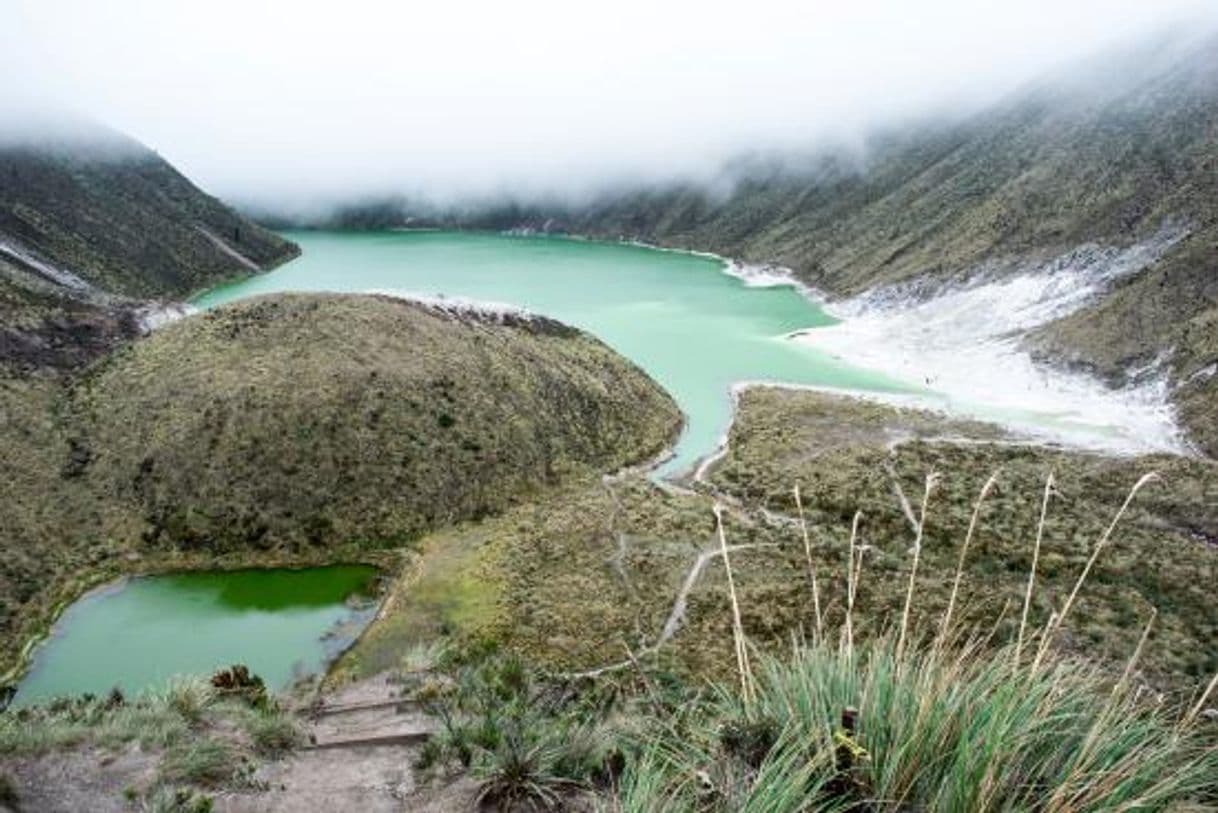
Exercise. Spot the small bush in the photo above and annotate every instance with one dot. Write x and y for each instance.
(272, 732)
(189, 697)
(527, 740)
(238, 682)
(201, 762)
(522, 773)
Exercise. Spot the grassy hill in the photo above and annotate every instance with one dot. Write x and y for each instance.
(300, 429)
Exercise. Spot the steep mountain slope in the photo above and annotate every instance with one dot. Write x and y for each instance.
(1125, 152)
(1110, 154)
(91, 224)
(117, 216)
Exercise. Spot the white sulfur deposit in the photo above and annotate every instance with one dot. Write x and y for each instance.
(961, 346)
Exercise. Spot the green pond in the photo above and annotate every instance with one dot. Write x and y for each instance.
(140, 632)
(693, 328)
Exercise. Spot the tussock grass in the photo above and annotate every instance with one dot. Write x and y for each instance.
(159, 718)
(937, 731)
(204, 761)
(947, 716)
(271, 732)
(188, 696)
(933, 726)
(200, 737)
(165, 799)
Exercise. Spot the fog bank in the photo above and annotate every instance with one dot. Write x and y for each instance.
(277, 103)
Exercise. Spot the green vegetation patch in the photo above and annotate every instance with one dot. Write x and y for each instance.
(187, 732)
(597, 573)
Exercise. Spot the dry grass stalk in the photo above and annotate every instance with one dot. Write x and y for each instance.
(803, 526)
(1043, 649)
(1137, 653)
(1002, 615)
(742, 655)
(1027, 597)
(1051, 632)
(968, 538)
(853, 570)
(1195, 711)
(931, 479)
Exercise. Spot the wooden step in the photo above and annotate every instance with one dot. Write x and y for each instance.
(345, 708)
(380, 740)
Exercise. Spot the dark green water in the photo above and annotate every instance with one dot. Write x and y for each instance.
(140, 632)
(693, 328)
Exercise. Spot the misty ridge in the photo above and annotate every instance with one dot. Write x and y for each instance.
(456, 111)
(1116, 87)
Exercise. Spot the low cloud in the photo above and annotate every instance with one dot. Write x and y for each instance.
(284, 104)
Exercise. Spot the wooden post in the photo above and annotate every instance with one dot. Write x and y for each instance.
(845, 753)
(848, 753)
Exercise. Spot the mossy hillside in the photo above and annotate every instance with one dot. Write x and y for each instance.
(594, 570)
(294, 419)
(302, 429)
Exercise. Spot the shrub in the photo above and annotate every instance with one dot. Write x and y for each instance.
(238, 682)
(528, 740)
(200, 762)
(272, 732)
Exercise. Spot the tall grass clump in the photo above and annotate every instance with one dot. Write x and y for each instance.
(200, 761)
(936, 731)
(156, 719)
(956, 725)
(109, 722)
(188, 696)
(530, 742)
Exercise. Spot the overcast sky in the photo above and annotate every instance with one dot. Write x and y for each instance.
(292, 101)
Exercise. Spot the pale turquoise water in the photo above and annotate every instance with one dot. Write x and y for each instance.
(141, 632)
(695, 329)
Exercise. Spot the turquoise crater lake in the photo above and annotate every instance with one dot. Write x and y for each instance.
(693, 328)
